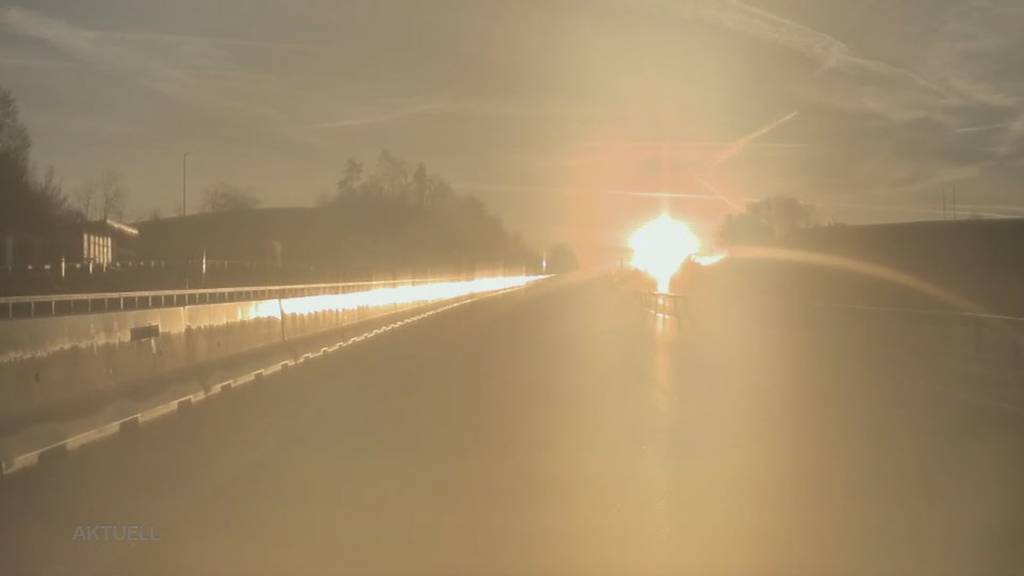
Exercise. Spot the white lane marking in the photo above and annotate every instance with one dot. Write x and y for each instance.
(77, 442)
(157, 412)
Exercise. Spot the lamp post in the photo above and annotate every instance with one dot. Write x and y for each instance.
(184, 184)
(184, 211)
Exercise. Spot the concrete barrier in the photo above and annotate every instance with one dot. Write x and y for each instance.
(51, 361)
(21, 453)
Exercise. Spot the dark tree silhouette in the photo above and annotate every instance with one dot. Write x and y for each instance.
(27, 205)
(226, 197)
(394, 214)
(392, 175)
(561, 258)
(766, 220)
(352, 178)
(420, 184)
(105, 197)
(85, 199)
(51, 194)
(113, 196)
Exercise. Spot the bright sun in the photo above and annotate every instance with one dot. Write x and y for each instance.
(661, 246)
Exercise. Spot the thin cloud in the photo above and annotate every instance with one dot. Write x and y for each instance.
(942, 177)
(472, 108)
(983, 128)
(1005, 136)
(513, 188)
(957, 87)
(828, 52)
(88, 47)
(28, 62)
(159, 72)
(382, 117)
(654, 145)
(212, 40)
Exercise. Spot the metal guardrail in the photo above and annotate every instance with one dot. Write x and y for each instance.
(14, 307)
(927, 312)
(994, 339)
(665, 304)
(131, 418)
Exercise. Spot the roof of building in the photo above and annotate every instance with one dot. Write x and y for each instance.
(107, 225)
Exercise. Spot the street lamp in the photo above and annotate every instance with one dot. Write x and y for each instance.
(184, 184)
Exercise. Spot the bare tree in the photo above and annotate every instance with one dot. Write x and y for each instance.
(226, 197)
(51, 194)
(85, 199)
(113, 196)
(105, 195)
(392, 174)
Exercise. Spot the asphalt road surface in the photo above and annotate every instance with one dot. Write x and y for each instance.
(557, 430)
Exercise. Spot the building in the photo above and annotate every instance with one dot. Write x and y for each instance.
(98, 242)
(272, 236)
(18, 249)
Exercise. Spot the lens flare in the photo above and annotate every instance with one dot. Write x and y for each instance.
(661, 246)
(709, 259)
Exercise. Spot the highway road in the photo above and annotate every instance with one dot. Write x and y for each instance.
(556, 430)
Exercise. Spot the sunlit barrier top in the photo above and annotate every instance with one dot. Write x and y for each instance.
(408, 294)
(89, 303)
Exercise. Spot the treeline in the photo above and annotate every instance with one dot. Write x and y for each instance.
(387, 213)
(765, 221)
(385, 216)
(36, 205)
(390, 216)
(394, 212)
(29, 204)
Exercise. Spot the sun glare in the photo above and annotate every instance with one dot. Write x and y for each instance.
(661, 246)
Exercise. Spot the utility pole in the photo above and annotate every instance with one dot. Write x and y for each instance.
(944, 205)
(954, 203)
(184, 184)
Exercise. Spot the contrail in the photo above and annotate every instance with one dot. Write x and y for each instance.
(716, 192)
(383, 117)
(982, 128)
(739, 145)
(729, 152)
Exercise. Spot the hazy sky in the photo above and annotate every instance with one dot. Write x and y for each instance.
(569, 118)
